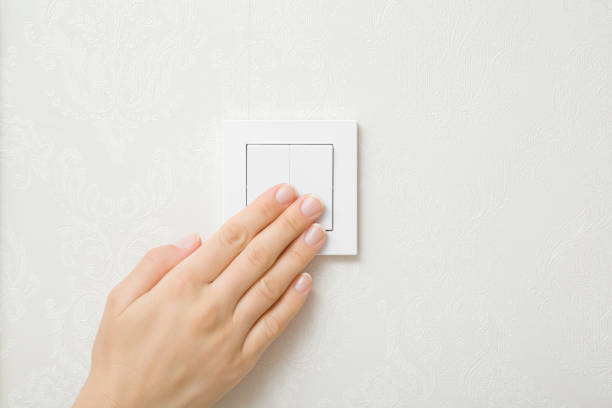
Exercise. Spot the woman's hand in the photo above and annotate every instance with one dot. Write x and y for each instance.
(192, 319)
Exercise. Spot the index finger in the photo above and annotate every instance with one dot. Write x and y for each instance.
(216, 253)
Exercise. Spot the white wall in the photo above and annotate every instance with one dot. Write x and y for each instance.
(484, 275)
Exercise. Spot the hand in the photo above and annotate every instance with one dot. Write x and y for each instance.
(192, 319)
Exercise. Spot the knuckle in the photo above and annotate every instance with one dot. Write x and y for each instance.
(209, 315)
(234, 235)
(247, 358)
(267, 289)
(235, 372)
(272, 327)
(267, 211)
(258, 256)
(298, 257)
(207, 319)
(178, 287)
(292, 224)
(154, 256)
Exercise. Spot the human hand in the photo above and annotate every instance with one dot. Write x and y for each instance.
(192, 319)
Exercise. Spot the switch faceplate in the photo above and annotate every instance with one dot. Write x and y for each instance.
(318, 157)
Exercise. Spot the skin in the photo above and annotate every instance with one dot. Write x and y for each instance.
(192, 319)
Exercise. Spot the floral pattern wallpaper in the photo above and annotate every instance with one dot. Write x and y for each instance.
(484, 277)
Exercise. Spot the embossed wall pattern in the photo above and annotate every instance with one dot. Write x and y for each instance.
(485, 133)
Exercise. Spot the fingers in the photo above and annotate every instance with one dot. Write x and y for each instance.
(274, 321)
(266, 291)
(263, 250)
(220, 249)
(150, 270)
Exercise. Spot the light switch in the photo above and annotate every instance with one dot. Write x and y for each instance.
(315, 156)
(307, 167)
(267, 165)
(311, 171)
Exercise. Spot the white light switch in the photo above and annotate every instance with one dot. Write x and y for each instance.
(267, 165)
(311, 172)
(306, 167)
(315, 156)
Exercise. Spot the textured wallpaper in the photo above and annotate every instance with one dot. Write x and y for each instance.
(484, 277)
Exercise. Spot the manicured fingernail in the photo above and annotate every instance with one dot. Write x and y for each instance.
(303, 283)
(311, 206)
(187, 241)
(285, 194)
(314, 235)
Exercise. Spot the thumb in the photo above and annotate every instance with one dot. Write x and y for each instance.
(150, 270)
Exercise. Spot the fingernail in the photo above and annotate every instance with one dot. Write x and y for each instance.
(311, 206)
(187, 241)
(314, 235)
(285, 194)
(303, 283)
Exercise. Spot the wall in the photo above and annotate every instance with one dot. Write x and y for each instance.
(483, 278)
